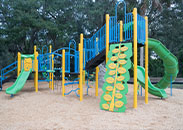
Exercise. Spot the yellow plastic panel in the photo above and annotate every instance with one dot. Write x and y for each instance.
(27, 64)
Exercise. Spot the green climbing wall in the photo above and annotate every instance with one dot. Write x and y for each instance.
(115, 87)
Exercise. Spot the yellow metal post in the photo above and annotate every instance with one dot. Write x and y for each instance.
(35, 68)
(52, 85)
(50, 74)
(146, 62)
(107, 36)
(36, 71)
(19, 64)
(81, 67)
(63, 72)
(35, 48)
(135, 55)
(121, 31)
(96, 81)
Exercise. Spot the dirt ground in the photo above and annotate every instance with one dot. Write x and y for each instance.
(47, 109)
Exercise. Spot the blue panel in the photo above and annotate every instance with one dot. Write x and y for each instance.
(141, 32)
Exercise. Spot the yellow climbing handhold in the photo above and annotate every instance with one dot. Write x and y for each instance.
(109, 88)
(115, 51)
(122, 56)
(112, 66)
(118, 104)
(120, 86)
(121, 70)
(124, 48)
(118, 95)
(105, 106)
(110, 80)
(114, 58)
(120, 78)
(122, 62)
(107, 97)
(112, 72)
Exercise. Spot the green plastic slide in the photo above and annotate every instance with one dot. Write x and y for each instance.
(170, 63)
(151, 88)
(19, 83)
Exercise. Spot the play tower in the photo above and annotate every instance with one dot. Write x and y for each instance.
(113, 43)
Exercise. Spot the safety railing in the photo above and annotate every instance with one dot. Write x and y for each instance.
(6, 70)
(128, 27)
(67, 62)
(71, 53)
(118, 33)
(44, 62)
(94, 45)
(113, 29)
(72, 58)
(141, 29)
(77, 62)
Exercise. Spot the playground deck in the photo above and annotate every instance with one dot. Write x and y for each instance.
(47, 109)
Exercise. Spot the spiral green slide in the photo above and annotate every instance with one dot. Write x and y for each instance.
(19, 83)
(170, 63)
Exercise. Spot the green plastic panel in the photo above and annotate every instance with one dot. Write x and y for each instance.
(27, 56)
(115, 87)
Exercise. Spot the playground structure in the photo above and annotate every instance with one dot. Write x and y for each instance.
(112, 43)
(26, 65)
